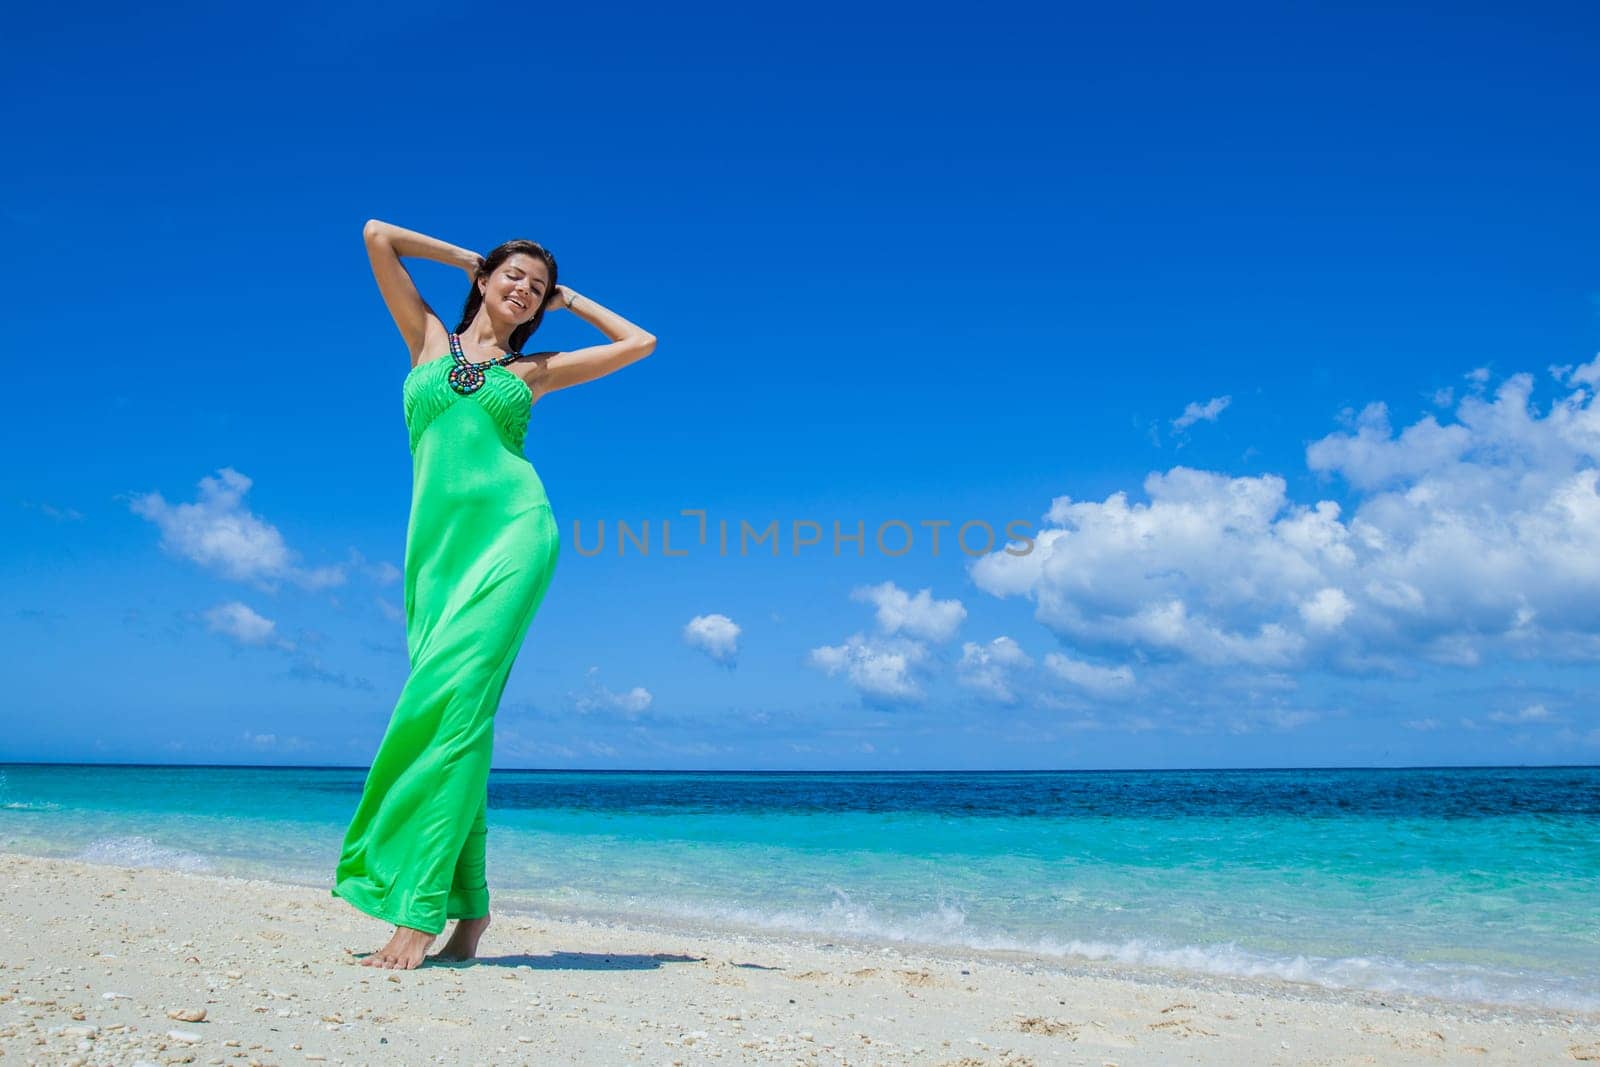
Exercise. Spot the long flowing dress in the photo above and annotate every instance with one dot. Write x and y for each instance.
(481, 547)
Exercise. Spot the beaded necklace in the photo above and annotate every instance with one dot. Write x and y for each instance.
(465, 377)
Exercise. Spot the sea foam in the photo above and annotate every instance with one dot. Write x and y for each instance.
(139, 851)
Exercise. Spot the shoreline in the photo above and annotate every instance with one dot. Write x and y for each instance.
(275, 964)
(679, 926)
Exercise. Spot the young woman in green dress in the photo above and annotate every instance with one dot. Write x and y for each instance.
(481, 548)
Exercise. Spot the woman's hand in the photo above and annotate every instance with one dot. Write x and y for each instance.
(472, 264)
(557, 298)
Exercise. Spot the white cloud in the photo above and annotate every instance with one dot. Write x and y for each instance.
(1471, 539)
(885, 667)
(918, 616)
(1207, 412)
(882, 668)
(1531, 714)
(1586, 374)
(1181, 574)
(630, 704)
(715, 635)
(1101, 681)
(1327, 610)
(244, 625)
(219, 533)
(248, 627)
(989, 668)
(1373, 457)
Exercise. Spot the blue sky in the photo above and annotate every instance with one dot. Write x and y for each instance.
(1275, 326)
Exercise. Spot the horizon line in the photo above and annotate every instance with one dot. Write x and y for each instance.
(801, 770)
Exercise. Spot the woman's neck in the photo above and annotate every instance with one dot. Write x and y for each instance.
(484, 333)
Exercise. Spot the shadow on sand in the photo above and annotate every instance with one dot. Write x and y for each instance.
(573, 961)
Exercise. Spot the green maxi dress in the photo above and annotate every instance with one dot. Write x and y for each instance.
(481, 546)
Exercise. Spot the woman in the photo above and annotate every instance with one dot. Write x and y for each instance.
(481, 547)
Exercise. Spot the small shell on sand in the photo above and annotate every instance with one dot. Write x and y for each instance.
(187, 1015)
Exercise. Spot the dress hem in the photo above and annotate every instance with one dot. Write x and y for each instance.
(353, 894)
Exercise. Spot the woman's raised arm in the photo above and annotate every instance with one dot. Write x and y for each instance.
(560, 370)
(386, 243)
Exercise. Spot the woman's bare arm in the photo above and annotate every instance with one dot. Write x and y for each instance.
(558, 370)
(386, 243)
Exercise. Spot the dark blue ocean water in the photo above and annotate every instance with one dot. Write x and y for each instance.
(1475, 884)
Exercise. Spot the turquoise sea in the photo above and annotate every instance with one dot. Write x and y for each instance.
(1478, 884)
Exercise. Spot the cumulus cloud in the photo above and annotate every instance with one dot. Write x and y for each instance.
(916, 616)
(243, 624)
(1327, 609)
(879, 667)
(1373, 457)
(1182, 574)
(597, 698)
(886, 667)
(1585, 374)
(715, 635)
(219, 533)
(1207, 412)
(990, 669)
(1469, 538)
(1101, 681)
(896, 665)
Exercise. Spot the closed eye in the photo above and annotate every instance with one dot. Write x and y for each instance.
(534, 287)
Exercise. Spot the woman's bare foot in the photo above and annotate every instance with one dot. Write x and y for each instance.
(404, 951)
(463, 943)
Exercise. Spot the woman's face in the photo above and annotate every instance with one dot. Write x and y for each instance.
(516, 289)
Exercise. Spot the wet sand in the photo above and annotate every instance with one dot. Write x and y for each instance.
(111, 965)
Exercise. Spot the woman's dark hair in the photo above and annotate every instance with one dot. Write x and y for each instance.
(491, 262)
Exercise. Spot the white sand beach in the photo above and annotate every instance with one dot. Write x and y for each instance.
(113, 965)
